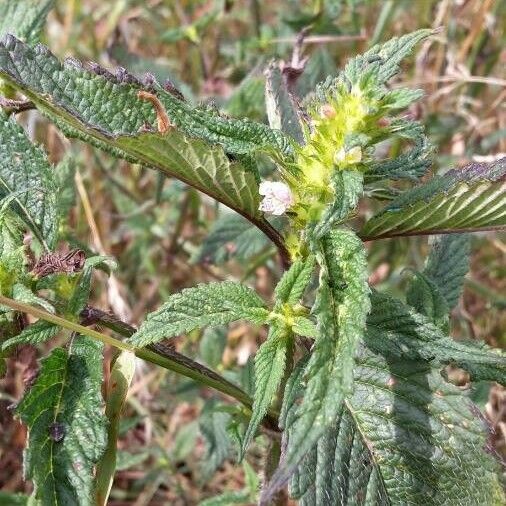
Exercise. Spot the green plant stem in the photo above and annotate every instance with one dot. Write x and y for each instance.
(160, 355)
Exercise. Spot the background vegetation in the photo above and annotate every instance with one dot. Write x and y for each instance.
(216, 51)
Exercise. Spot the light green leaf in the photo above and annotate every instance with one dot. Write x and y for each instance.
(122, 373)
(205, 304)
(341, 308)
(22, 293)
(448, 263)
(24, 166)
(469, 199)
(212, 345)
(270, 362)
(292, 285)
(66, 427)
(348, 187)
(35, 333)
(304, 327)
(380, 62)
(24, 18)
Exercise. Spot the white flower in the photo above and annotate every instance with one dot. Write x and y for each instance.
(277, 197)
(352, 156)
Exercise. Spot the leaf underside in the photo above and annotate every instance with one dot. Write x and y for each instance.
(103, 109)
(468, 199)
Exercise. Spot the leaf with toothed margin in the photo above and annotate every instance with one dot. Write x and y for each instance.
(93, 101)
(104, 110)
(35, 333)
(341, 306)
(26, 174)
(381, 61)
(401, 436)
(66, 426)
(24, 18)
(469, 199)
(199, 306)
(270, 362)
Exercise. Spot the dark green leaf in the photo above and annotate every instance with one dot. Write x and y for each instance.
(24, 18)
(108, 106)
(282, 109)
(270, 362)
(293, 284)
(25, 170)
(67, 429)
(35, 333)
(424, 296)
(395, 328)
(448, 263)
(232, 236)
(213, 426)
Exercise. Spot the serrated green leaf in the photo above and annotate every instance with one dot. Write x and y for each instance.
(381, 61)
(304, 327)
(199, 306)
(400, 438)
(424, 296)
(232, 236)
(35, 333)
(95, 104)
(406, 333)
(448, 263)
(24, 18)
(282, 109)
(406, 446)
(270, 362)
(468, 199)
(341, 308)
(410, 165)
(24, 168)
(292, 285)
(66, 427)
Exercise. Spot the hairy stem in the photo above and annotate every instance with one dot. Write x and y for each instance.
(157, 354)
